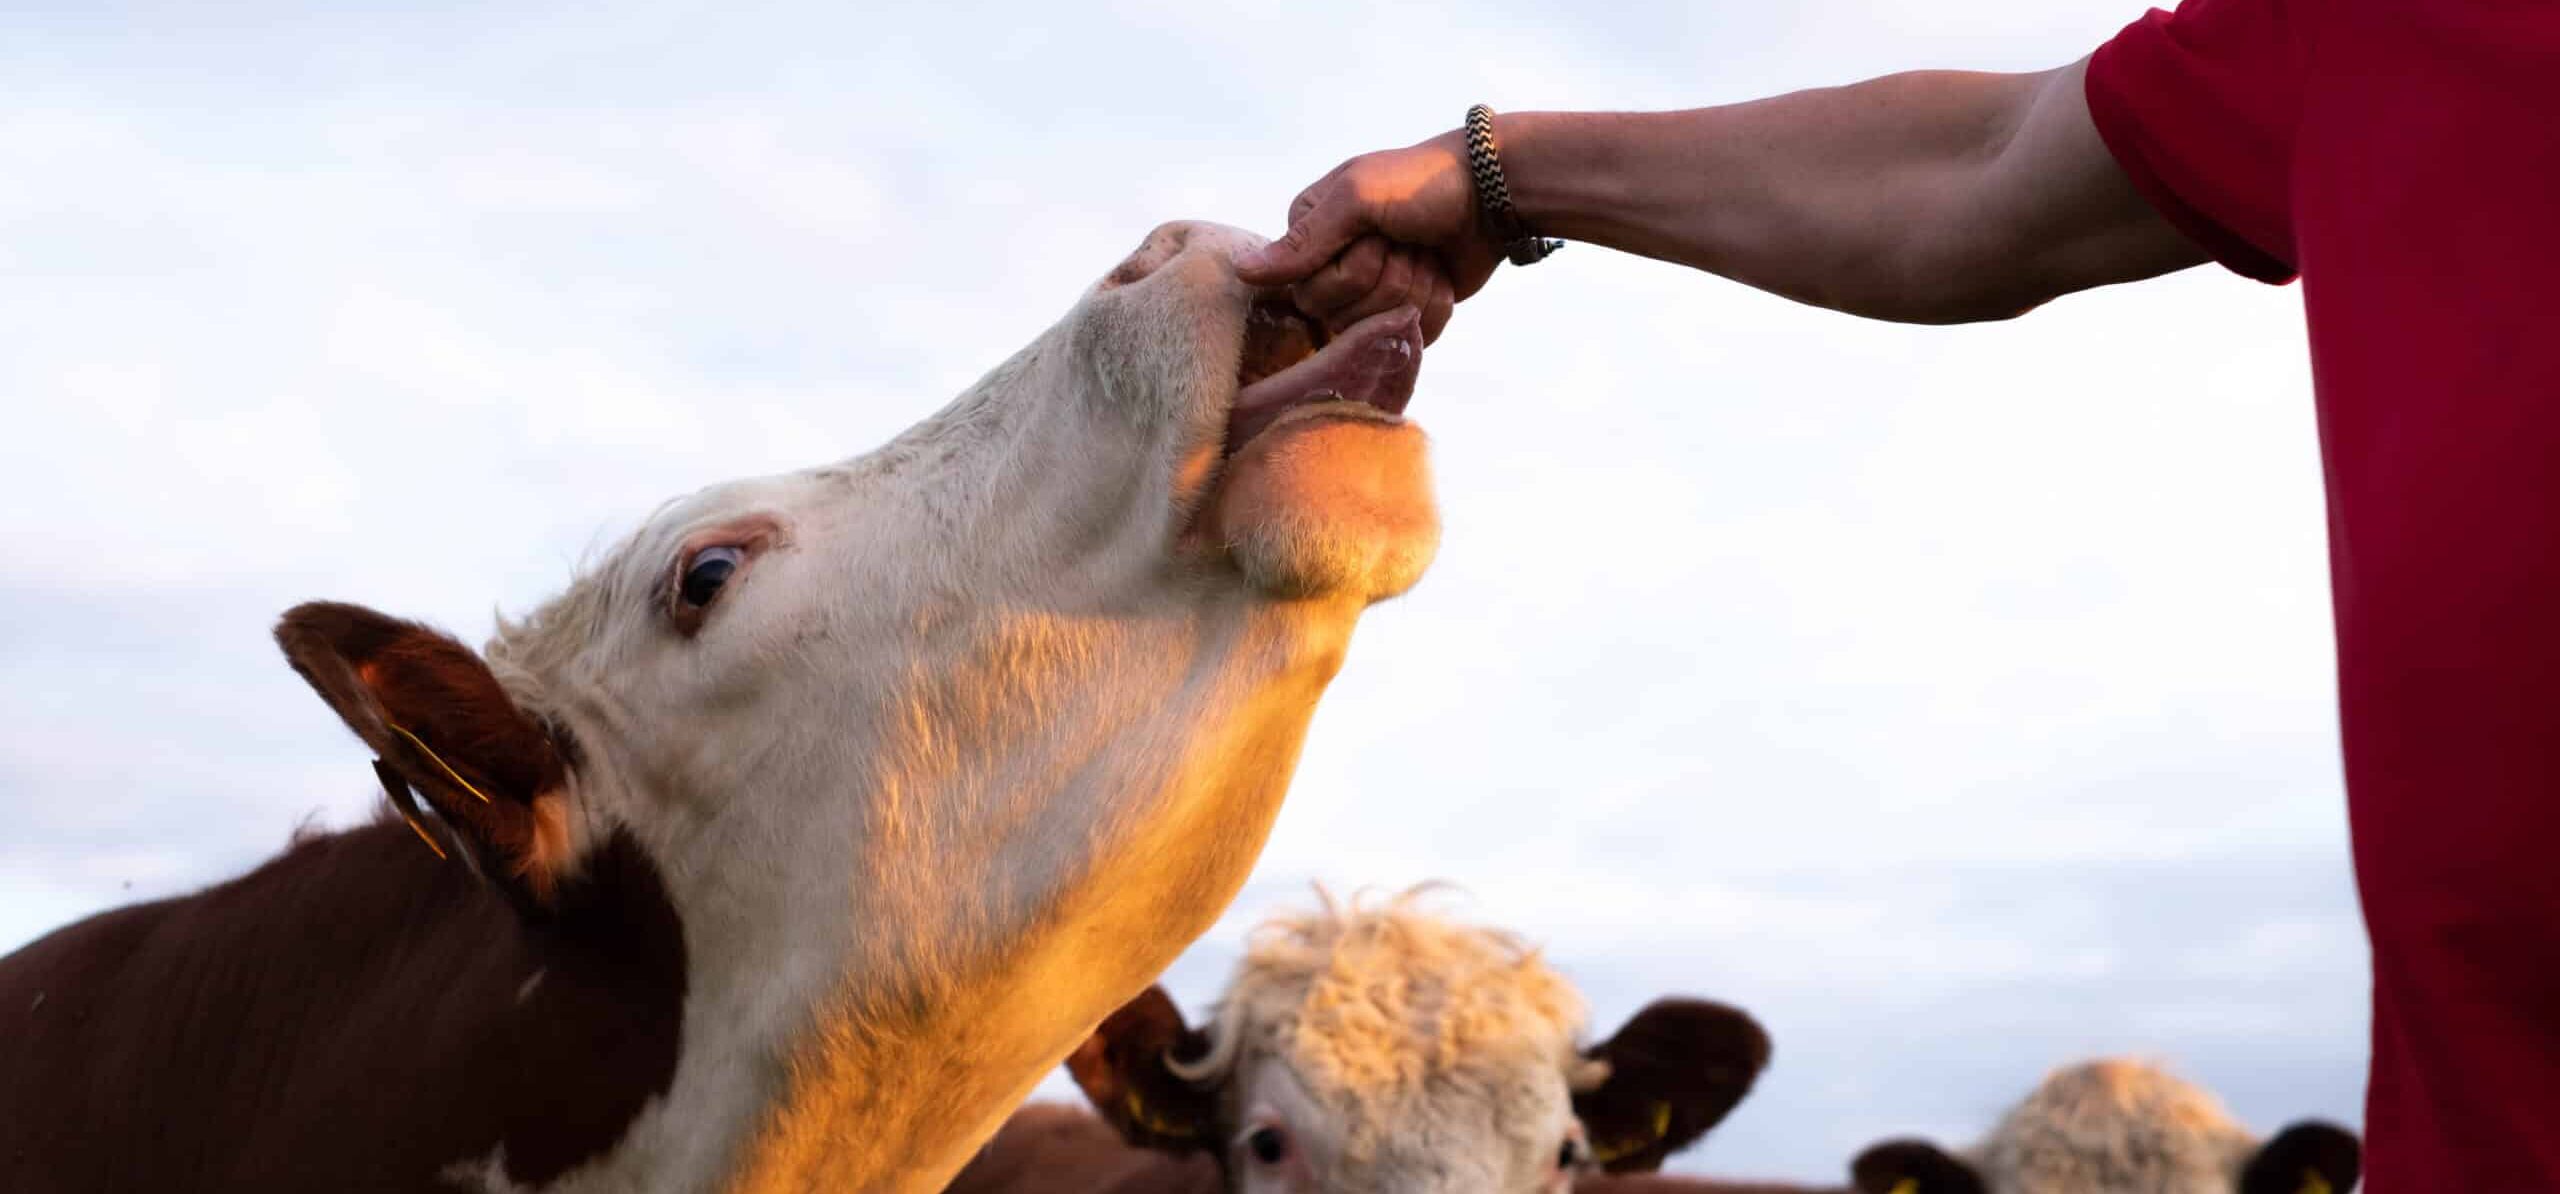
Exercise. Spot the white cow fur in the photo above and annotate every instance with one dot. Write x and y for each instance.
(997, 739)
(1399, 1051)
(2111, 1125)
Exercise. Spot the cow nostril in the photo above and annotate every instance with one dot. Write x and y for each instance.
(1162, 245)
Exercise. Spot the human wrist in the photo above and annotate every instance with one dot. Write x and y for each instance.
(1527, 141)
(1557, 168)
(1499, 219)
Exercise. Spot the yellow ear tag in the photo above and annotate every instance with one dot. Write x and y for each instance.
(2313, 1182)
(1161, 1127)
(1908, 1185)
(449, 773)
(1611, 1153)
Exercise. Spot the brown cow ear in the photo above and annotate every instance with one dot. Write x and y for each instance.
(1121, 1067)
(2308, 1158)
(439, 723)
(1675, 1070)
(1913, 1167)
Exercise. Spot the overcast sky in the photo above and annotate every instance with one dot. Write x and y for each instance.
(1957, 700)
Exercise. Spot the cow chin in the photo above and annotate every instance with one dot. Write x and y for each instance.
(1334, 500)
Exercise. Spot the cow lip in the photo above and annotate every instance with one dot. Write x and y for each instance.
(1276, 336)
(1373, 363)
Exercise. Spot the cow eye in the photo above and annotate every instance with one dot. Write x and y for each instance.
(706, 572)
(1269, 1145)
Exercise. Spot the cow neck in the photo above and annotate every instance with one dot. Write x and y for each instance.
(904, 957)
(356, 1014)
(894, 1084)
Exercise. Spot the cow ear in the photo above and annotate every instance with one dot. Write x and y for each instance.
(1122, 1068)
(440, 724)
(1913, 1167)
(1675, 1070)
(2308, 1158)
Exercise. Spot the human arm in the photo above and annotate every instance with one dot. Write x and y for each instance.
(1930, 197)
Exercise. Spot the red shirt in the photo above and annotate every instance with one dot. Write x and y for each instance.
(2403, 157)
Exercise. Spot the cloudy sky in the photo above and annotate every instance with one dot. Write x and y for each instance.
(1957, 700)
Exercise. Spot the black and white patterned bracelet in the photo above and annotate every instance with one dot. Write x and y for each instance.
(1493, 194)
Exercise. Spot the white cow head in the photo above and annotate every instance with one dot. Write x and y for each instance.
(941, 751)
(2119, 1127)
(1387, 1049)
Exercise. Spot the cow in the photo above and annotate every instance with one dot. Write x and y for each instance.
(796, 839)
(1378, 1047)
(1050, 1148)
(1664, 1183)
(2119, 1126)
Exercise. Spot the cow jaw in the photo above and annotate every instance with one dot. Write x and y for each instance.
(1305, 478)
(1328, 488)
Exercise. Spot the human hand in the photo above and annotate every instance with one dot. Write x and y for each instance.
(1383, 230)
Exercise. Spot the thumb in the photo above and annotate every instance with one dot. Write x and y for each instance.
(1314, 236)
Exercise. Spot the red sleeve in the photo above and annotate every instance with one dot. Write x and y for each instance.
(2198, 107)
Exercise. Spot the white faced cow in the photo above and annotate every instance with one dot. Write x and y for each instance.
(2115, 1126)
(809, 828)
(1381, 1049)
(2098, 1127)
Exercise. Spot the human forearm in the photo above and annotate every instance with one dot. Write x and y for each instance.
(1834, 197)
(1935, 196)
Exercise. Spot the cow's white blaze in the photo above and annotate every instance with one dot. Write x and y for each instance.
(982, 729)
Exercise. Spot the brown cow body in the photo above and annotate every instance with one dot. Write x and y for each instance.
(1656, 1183)
(1047, 1148)
(353, 972)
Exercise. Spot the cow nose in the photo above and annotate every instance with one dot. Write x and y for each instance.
(1161, 246)
(1173, 240)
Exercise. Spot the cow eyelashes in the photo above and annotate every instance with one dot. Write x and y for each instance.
(699, 579)
(704, 574)
(709, 562)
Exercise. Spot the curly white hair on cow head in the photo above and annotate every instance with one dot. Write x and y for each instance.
(1384, 1047)
(2119, 1126)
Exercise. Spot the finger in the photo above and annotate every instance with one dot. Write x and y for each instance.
(1306, 200)
(1398, 276)
(1330, 221)
(1344, 280)
(1437, 307)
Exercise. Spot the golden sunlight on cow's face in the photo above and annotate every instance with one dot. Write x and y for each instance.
(1314, 483)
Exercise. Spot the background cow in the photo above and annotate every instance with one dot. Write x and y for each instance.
(1380, 1048)
(2120, 1127)
(810, 826)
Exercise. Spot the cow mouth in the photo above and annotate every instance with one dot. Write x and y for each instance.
(1290, 363)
